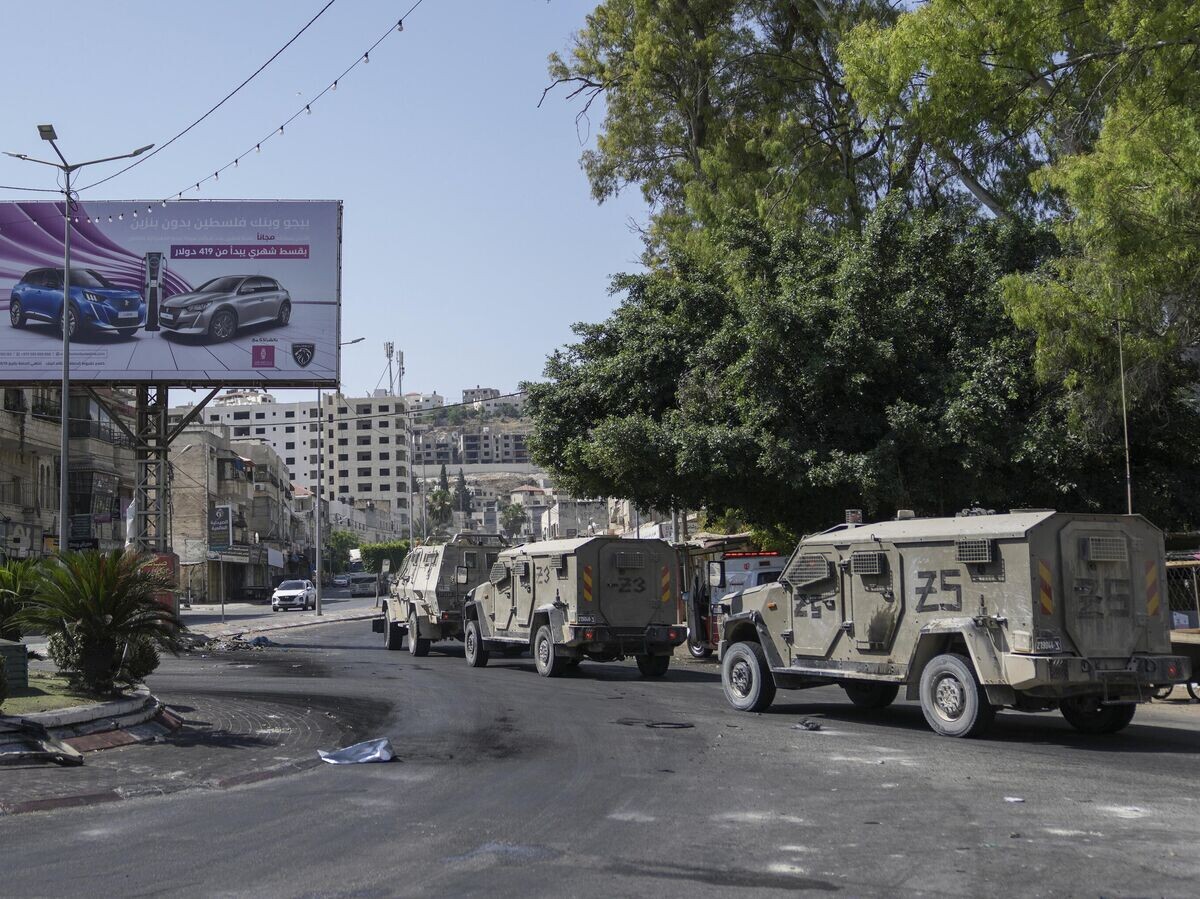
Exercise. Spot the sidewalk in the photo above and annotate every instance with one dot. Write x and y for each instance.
(239, 621)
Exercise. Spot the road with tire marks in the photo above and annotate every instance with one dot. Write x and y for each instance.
(605, 783)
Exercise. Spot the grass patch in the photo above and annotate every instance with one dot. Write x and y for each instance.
(46, 692)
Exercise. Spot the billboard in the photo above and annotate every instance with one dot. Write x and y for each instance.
(220, 527)
(192, 292)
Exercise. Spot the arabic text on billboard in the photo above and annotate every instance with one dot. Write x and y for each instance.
(220, 292)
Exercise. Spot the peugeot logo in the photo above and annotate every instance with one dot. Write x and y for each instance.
(303, 353)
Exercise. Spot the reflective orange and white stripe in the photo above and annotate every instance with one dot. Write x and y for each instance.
(665, 582)
(1153, 601)
(587, 583)
(1046, 593)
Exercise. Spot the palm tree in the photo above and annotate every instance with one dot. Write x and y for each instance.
(18, 582)
(101, 611)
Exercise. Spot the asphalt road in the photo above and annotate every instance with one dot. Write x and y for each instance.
(604, 784)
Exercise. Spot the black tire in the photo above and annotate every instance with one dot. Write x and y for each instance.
(1162, 692)
(417, 646)
(1194, 691)
(474, 648)
(952, 699)
(393, 638)
(746, 678)
(16, 313)
(549, 662)
(127, 332)
(699, 650)
(653, 666)
(871, 695)
(1089, 716)
(223, 325)
(73, 322)
(285, 313)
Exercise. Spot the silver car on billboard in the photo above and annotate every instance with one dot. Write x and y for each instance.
(218, 308)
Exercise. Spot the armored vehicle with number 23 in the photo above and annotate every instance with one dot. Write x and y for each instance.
(1031, 610)
(597, 598)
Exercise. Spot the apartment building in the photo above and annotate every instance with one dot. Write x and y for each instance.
(479, 394)
(423, 402)
(101, 478)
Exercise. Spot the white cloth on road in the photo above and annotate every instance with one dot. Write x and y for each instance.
(369, 751)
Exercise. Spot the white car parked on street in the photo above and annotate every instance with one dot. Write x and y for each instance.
(294, 595)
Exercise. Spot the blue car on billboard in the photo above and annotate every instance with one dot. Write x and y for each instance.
(96, 303)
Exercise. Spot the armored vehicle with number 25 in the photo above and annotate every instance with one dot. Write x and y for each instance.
(598, 598)
(1031, 610)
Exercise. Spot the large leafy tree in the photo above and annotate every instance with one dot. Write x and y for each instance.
(719, 105)
(1086, 112)
(813, 371)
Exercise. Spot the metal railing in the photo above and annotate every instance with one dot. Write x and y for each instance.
(1183, 592)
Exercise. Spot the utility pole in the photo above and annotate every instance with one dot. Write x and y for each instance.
(388, 349)
(1125, 420)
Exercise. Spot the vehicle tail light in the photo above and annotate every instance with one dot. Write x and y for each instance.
(589, 635)
(672, 633)
(1173, 670)
(445, 616)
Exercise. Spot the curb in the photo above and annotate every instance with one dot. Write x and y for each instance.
(225, 630)
(100, 711)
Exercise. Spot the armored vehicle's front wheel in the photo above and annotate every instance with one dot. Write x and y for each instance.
(746, 677)
(473, 646)
(392, 638)
(699, 650)
(1088, 715)
(417, 645)
(868, 695)
(549, 662)
(1194, 691)
(653, 666)
(952, 699)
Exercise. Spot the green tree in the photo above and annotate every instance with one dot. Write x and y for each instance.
(102, 616)
(443, 480)
(715, 106)
(462, 496)
(513, 517)
(340, 544)
(813, 371)
(373, 554)
(1087, 112)
(440, 505)
(18, 583)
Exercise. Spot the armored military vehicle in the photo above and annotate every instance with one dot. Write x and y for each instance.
(1031, 610)
(425, 602)
(598, 598)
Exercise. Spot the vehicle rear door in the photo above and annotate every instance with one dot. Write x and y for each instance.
(634, 586)
(1110, 584)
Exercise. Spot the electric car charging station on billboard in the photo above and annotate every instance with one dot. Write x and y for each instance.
(186, 293)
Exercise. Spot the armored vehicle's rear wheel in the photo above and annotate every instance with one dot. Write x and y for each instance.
(653, 666)
(746, 677)
(699, 650)
(867, 695)
(1194, 691)
(952, 699)
(392, 638)
(1163, 692)
(473, 646)
(1089, 716)
(417, 645)
(549, 663)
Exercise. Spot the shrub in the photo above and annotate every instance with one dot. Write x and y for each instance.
(18, 583)
(98, 610)
(3, 684)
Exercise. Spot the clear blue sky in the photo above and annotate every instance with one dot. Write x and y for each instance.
(471, 239)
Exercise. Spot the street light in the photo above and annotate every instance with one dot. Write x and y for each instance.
(47, 133)
(318, 500)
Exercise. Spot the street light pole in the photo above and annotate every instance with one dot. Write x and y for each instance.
(48, 133)
(1125, 420)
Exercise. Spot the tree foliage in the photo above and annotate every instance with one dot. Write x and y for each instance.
(340, 544)
(373, 554)
(815, 371)
(18, 584)
(102, 616)
(513, 517)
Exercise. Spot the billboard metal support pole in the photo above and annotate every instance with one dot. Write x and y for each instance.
(318, 499)
(64, 527)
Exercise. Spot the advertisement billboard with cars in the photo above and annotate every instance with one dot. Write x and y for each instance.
(193, 293)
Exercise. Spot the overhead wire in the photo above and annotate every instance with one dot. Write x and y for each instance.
(218, 105)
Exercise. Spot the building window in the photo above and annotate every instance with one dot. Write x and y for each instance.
(343, 489)
(260, 430)
(342, 426)
(384, 488)
(383, 408)
(344, 473)
(364, 472)
(259, 415)
(385, 472)
(289, 414)
(341, 410)
(343, 441)
(240, 416)
(290, 429)
(364, 488)
(289, 462)
(362, 440)
(383, 423)
(214, 418)
(384, 457)
(291, 444)
(364, 457)
(240, 432)
(385, 439)
(363, 424)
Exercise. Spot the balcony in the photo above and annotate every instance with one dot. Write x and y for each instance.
(44, 407)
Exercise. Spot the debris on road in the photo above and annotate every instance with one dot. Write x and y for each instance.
(806, 724)
(1013, 799)
(367, 751)
(237, 643)
(646, 722)
(22, 740)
